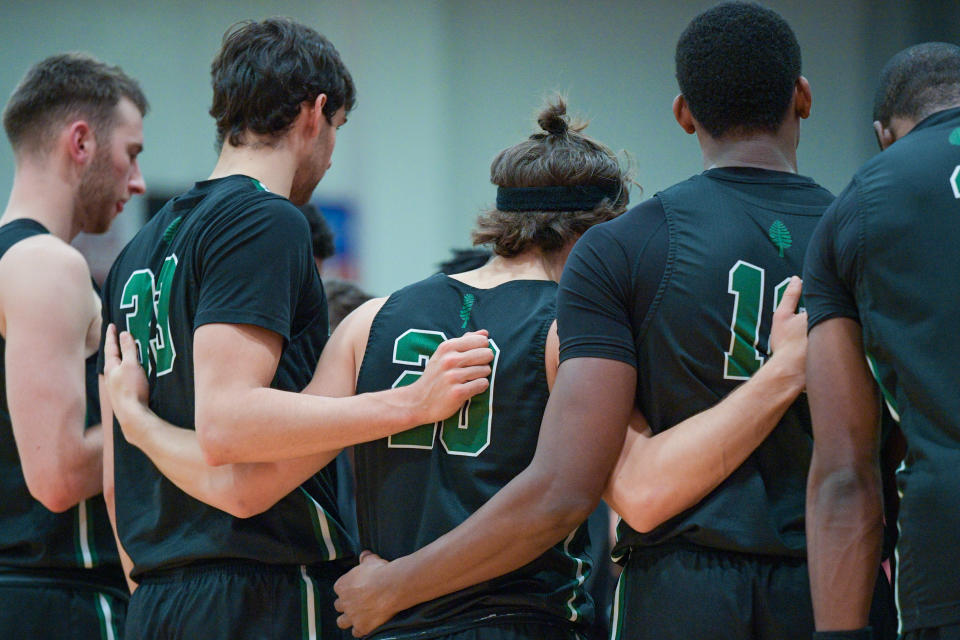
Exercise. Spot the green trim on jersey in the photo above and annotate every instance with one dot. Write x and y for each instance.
(309, 612)
(887, 396)
(575, 603)
(108, 624)
(616, 621)
(322, 528)
(86, 552)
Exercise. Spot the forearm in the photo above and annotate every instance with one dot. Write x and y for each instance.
(658, 477)
(263, 424)
(243, 489)
(844, 540)
(486, 545)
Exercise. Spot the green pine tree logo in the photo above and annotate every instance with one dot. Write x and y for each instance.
(780, 236)
(172, 229)
(468, 300)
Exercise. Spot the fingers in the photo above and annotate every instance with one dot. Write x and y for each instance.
(466, 342)
(128, 348)
(111, 351)
(791, 297)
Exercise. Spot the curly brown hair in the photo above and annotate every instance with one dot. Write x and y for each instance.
(560, 156)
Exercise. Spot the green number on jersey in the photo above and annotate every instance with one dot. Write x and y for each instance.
(746, 284)
(149, 301)
(467, 432)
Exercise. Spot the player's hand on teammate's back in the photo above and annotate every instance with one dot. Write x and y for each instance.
(788, 335)
(363, 597)
(126, 380)
(456, 372)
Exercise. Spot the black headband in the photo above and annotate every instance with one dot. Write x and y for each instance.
(574, 198)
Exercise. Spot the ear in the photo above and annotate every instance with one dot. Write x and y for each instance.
(81, 143)
(314, 111)
(803, 98)
(885, 136)
(682, 113)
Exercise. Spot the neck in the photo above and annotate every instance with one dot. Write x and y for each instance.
(529, 265)
(44, 190)
(273, 165)
(773, 151)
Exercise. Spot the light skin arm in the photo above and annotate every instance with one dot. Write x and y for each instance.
(49, 310)
(659, 476)
(580, 438)
(241, 419)
(109, 487)
(844, 489)
(241, 489)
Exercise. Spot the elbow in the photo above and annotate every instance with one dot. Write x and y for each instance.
(245, 504)
(56, 495)
(213, 436)
(563, 510)
(644, 508)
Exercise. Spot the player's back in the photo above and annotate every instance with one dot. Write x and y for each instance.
(909, 303)
(214, 254)
(415, 486)
(736, 236)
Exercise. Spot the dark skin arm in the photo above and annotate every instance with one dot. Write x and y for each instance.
(844, 489)
(580, 439)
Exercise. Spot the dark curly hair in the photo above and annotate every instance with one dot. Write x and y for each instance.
(918, 82)
(265, 70)
(67, 85)
(560, 156)
(737, 66)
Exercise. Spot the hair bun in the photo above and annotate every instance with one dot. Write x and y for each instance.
(553, 118)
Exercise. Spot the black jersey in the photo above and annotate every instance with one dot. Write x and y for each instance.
(417, 485)
(31, 536)
(734, 238)
(226, 251)
(886, 255)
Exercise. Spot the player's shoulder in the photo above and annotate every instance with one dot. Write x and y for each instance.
(627, 233)
(45, 256)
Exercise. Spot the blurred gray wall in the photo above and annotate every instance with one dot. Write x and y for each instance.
(443, 86)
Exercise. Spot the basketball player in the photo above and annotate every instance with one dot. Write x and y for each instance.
(76, 127)
(532, 231)
(669, 307)
(221, 294)
(883, 313)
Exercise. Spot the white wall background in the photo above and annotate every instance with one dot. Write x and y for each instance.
(443, 86)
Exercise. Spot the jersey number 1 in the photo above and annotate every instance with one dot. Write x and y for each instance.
(746, 284)
(148, 301)
(467, 432)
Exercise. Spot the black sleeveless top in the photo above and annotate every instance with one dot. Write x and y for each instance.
(417, 485)
(79, 541)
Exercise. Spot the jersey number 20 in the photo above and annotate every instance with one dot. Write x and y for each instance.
(148, 301)
(467, 432)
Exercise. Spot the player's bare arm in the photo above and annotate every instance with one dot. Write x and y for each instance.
(50, 322)
(109, 486)
(241, 489)
(580, 439)
(844, 493)
(240, 419)
(659, 476)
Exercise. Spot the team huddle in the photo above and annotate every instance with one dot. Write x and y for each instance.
(781, 450)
